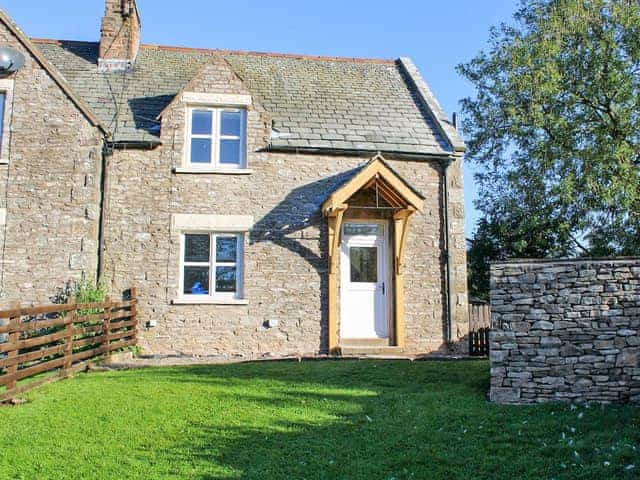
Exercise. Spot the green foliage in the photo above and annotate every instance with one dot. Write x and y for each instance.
(555, 129)
(136, 350)
(86, 290)
(357, 420)
(515, 232)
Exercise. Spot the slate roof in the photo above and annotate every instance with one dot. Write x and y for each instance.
(315, 102)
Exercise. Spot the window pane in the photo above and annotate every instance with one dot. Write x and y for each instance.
(196, 280)
(196, 248)
(226, 249)
(225, 279)
(200, 150)
(231, 123)
(361, 229)
(364, 264)
(230, 152)
(201, 122)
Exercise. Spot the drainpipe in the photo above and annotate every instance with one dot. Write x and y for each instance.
(102, 220)
(447, 255)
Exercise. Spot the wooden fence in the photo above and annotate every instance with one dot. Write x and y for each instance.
(60, 338)
(479, 325)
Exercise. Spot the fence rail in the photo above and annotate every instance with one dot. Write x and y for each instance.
(60, 338)
(479, 325)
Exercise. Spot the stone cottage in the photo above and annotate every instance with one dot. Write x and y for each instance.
(261, 203)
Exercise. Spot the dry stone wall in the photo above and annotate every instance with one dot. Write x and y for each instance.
(565, 330)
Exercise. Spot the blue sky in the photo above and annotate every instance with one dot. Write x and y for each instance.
(436, 34)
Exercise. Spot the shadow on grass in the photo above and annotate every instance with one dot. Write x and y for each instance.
(347, 419)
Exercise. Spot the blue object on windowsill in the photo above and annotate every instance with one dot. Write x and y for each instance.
(197, 289)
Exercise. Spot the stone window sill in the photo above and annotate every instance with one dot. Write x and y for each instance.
(217, 171)
(4, 161)
(209, 301)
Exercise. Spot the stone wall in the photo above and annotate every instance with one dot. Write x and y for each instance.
(49, 185)
(285, 252)
(565, 330)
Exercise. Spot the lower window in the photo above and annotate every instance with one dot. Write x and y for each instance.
(212, 265)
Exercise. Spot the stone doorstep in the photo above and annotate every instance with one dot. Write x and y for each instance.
(365, 342)
(370, 350)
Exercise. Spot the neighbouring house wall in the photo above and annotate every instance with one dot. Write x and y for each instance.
(285, 252)
(565, 330)
(50, 187)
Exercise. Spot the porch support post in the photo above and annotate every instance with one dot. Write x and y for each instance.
(335, 224)
(400, 230)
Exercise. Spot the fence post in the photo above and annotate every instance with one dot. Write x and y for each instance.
(68, 337)
(13, 337)
(107, 329)
(134, 313)
(471, 329)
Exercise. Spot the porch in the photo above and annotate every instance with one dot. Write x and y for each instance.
(368, 223)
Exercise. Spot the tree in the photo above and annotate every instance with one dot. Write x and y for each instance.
(555, 130)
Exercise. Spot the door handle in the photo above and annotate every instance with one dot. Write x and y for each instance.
(383, 288)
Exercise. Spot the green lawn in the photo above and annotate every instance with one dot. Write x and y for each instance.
(312, 420)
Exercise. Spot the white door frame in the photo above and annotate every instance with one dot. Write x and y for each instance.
(381, 327)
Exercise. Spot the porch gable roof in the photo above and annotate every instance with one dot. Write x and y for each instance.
(391, 186)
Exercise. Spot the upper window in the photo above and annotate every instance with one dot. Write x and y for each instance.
(212, 265)
(217, 138)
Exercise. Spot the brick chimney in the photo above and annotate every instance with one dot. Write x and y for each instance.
(119, 36)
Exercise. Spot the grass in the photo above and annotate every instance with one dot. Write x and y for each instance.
(311, 420)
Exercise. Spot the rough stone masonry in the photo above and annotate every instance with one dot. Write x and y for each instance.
(565, 331)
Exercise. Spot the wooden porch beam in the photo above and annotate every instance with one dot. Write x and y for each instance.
(401, 230)
(390, 196)
(335, 226)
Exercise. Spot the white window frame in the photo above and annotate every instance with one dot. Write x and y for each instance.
(214, 297)
(216, 137)
(6, 87)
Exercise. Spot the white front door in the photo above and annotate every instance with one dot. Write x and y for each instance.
(364, 288)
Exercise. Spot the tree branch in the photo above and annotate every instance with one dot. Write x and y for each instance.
(578, 244)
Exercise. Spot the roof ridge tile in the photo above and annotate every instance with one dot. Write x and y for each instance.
(217, 51)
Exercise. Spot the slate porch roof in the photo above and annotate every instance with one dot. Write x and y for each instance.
(350, 104)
